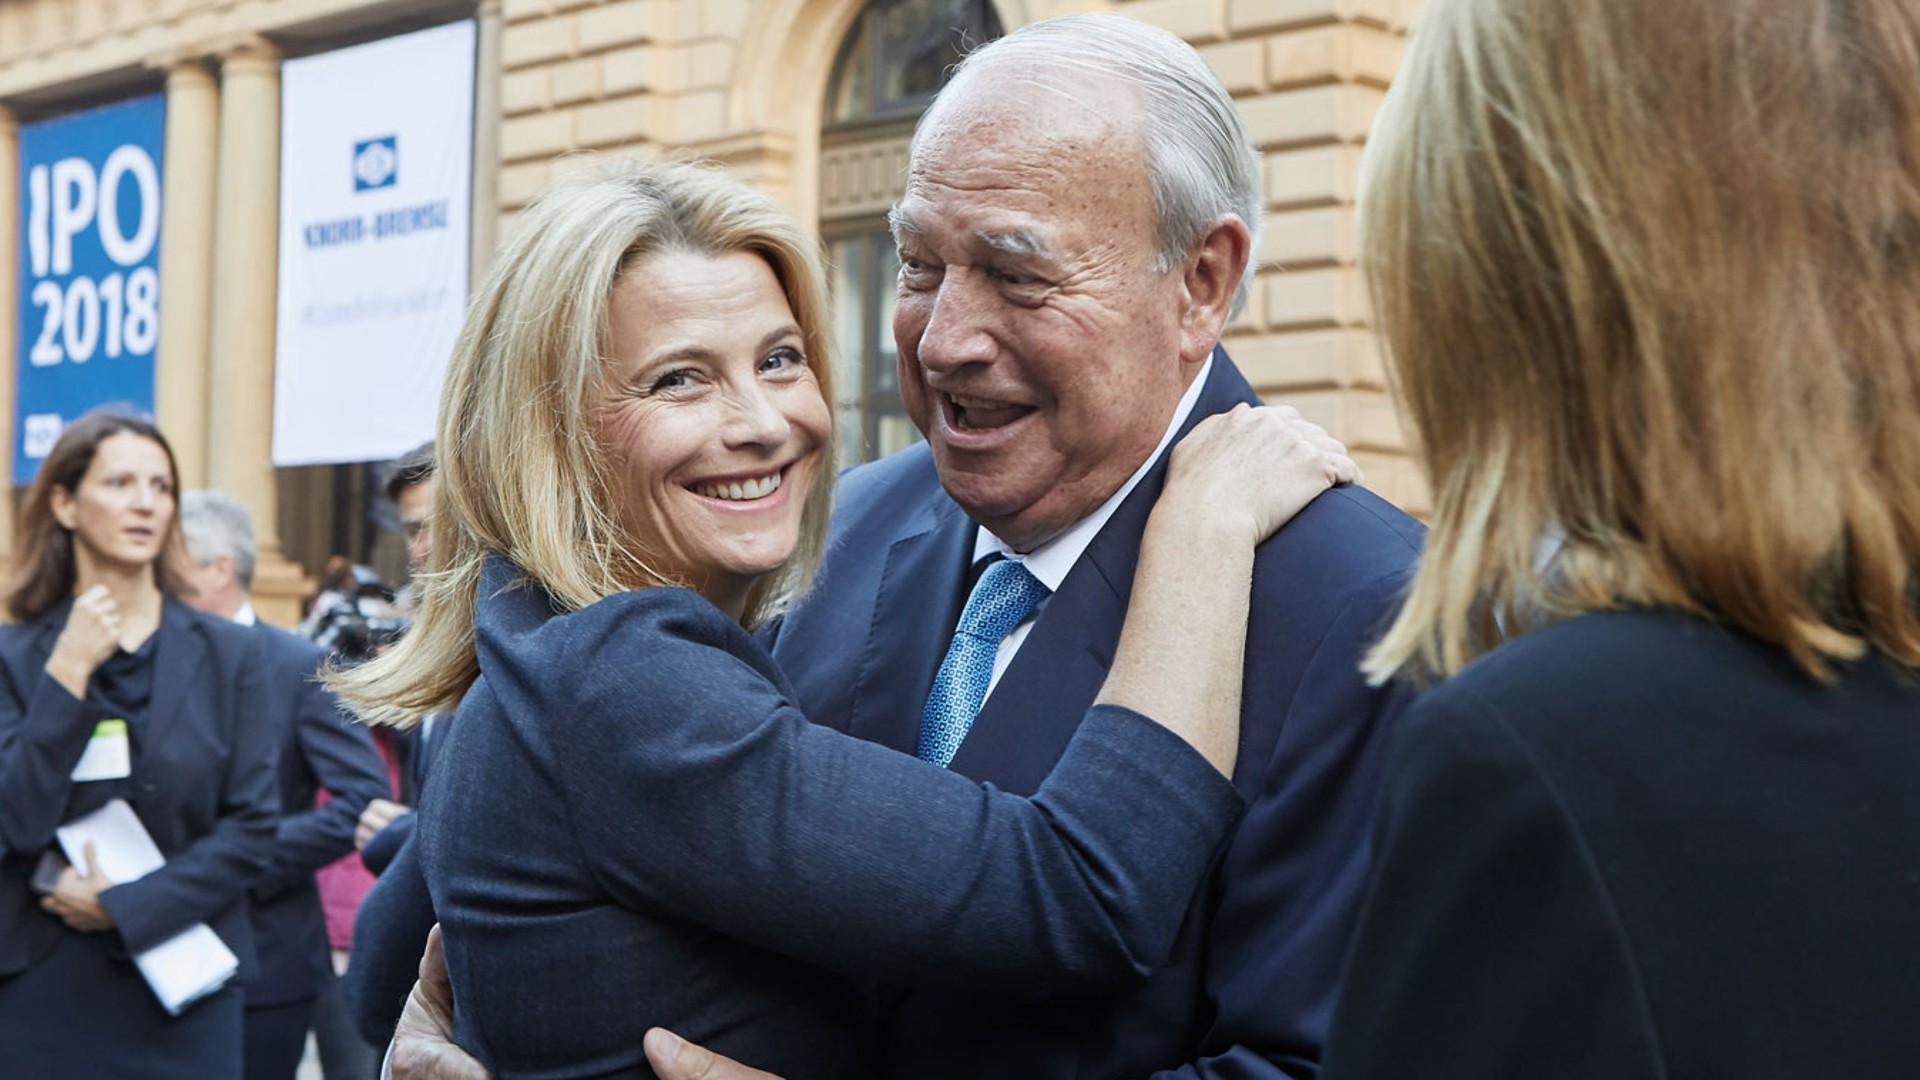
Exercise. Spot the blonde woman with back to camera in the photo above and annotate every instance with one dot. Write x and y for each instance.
(1648, 273)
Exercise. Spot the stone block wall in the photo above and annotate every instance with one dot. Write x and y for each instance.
(741, 81)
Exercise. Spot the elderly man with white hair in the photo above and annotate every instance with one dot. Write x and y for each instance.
(1080, 214)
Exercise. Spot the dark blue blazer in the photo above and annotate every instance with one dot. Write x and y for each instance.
(642, 830)
(1250, 987)
(1639, 846)
(321, 748)
(628, 791)
(389, 934)
(202, 783)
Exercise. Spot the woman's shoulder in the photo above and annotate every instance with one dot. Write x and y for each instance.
(224, 634)
(17, 649)
(1575, 706)
(1589, 685)
(15, 632)
(522, 614)
(634, 665)
(650, 640)
(668, 610)
(1611, 690)
(669, 640)
(1605, 657)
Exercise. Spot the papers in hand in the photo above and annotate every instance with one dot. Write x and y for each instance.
(187, 966)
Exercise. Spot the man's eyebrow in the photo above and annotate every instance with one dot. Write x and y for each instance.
(1018, 242)
(1024, 244)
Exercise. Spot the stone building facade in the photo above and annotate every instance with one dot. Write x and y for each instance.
(791, 94)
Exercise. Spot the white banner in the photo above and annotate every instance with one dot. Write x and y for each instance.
(376, 164)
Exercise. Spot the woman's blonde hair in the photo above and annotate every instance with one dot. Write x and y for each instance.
(1648, 277)
(519, 470)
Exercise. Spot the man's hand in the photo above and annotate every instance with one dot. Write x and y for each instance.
(76, 897)
(675, 1058)
(423, 1047)
(379, 814)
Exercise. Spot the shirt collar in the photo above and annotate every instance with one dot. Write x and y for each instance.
(245, 616)
(1051, 561)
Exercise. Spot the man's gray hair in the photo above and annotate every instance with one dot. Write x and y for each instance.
(214, 525)
(1199, 159)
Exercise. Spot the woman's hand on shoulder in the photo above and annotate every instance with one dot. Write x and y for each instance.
(1252, 469)
(90, 636)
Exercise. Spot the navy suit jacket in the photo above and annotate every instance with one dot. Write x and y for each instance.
(1250, 988)
(321, 748)
(643, 830)
(202, 783)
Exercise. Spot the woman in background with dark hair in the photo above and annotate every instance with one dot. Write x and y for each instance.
(1648, 272)
(101, 663)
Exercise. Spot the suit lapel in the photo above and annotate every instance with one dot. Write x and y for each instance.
(176, 662)
(917, 606)
(45, 633)
(31, 659)
(1038, 704)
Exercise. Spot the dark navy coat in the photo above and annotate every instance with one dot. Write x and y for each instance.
(321, 748)
(203, 784)
(1639, 846)
(631, 825)
(1251, 984)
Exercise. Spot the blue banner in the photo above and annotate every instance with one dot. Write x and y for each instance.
(89, 269)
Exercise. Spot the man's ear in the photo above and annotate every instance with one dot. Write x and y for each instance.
(60, 501)
(1210, 276)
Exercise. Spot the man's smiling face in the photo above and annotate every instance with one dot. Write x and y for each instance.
(1039, 350)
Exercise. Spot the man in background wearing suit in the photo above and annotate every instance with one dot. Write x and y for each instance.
(385, 825)
(320, 749)
(1081, 209)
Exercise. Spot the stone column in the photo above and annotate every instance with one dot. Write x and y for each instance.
(9, 319)
(181, 368)
(245, 273)
(488, 71)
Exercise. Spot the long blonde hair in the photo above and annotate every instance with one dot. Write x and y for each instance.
(1648, 277)
(518, 468)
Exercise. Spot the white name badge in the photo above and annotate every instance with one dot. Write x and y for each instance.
(108, 755)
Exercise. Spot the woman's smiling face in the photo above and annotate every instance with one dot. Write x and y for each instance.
(710, 417)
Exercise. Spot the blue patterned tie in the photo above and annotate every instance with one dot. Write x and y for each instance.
(1005, 595)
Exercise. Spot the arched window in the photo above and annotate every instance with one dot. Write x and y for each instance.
(898, 54)
(893, 61)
